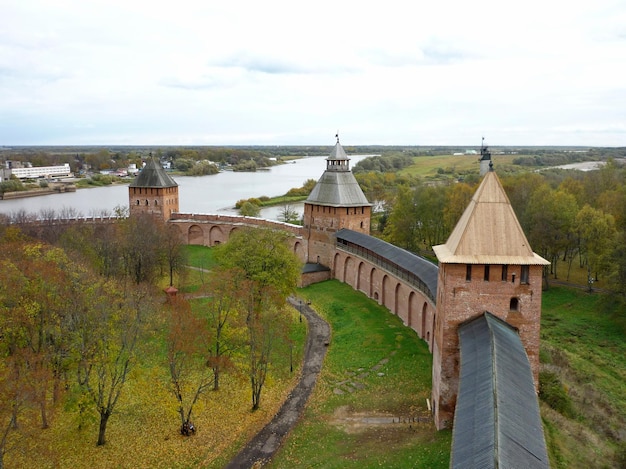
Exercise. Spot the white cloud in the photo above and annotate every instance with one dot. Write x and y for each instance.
(284, 72)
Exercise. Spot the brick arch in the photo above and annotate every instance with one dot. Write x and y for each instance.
(361, 278)
(372, 291)
(396, 299)
(412, 305)
(216, 236)
(195, 235)
(335, 266)
(385, 291)
(176, 231)
(424, 316)
(347, 269)
(298, 250)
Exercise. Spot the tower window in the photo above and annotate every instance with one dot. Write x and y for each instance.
(468, 272)
(486, 277)
(514, 304)
(505, 269)
(525, 274)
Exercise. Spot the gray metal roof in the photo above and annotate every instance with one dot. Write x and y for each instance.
(337, 189)
(338, 153)
(422, 268)
(496, 421)
(153, 175)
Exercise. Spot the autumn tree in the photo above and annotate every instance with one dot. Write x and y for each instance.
(141, 238)
(550, 216)
(225, 317)
(402, 227)
(263, 260)
(288, 214)
(190, 372)
(263, 257)
(249, 209)
(172, 247)
(595, 232)
(457, 200)
(15, 385)
(106, 331)
(416, 221)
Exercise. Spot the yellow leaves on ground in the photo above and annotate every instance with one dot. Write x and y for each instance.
(144, 430)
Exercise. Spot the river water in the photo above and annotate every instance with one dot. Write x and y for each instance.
(212, 194)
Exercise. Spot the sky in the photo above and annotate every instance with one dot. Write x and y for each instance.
(274, 72)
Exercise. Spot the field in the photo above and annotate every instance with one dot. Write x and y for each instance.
(366, 408)
(443, 167)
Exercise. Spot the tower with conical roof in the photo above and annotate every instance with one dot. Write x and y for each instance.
(335, 202)
(153, 192)
(486, 265)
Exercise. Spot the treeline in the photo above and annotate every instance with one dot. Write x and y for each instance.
(383, 163)
(576, 217)
(102, 158)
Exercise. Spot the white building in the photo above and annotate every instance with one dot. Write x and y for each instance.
(42, 172)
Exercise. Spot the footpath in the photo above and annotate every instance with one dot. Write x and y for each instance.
(262, 447)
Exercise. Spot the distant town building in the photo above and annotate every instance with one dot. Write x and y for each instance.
(33, 172)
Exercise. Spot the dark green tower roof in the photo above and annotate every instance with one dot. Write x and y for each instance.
(153, 175)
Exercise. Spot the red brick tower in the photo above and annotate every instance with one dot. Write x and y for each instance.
(153, 192)
(335, 202)
(485, 265)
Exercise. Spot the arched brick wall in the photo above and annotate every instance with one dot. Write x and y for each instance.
(412, 305)
(216, 236)
(195, 235)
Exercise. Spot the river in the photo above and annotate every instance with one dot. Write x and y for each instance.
(217, 193)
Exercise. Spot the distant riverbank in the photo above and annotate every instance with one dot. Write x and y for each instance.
(212, 194)
(53, 188)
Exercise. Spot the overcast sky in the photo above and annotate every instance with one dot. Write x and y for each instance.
(239, 72)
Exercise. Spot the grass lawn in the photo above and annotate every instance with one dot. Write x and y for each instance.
(583, 342)
(375, 369)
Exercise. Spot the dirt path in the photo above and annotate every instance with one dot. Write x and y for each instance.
(263, 446)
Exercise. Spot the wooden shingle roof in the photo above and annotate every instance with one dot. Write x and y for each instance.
(488, 231)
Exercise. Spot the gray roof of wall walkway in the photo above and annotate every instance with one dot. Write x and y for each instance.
(422, 268)
(496, 421)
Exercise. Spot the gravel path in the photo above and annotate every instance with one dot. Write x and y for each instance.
(263, 446)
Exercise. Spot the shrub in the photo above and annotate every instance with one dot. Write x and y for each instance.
(553, 393)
